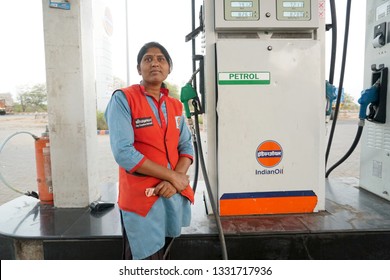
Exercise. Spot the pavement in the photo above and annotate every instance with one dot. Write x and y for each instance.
(17, 155)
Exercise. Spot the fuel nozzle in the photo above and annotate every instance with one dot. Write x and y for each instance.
(331, 96)
(188, 93)
(368, 96)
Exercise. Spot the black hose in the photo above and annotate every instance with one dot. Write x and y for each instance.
(334, 40)
(193, 50)
(198, 151)
(193, 42)
(351, 149)
(209, 191)
(347, 18)
(196, 157)
(333, 27)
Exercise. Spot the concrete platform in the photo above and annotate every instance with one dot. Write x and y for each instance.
(355, 225)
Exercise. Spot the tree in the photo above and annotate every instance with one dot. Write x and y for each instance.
(33, 98)
(173, 90)
(349, 103)
(117, 83)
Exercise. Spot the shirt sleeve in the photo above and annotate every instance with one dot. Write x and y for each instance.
(119, 121)
(185, 147)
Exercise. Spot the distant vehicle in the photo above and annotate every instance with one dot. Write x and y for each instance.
(2, 107)
(6, 104)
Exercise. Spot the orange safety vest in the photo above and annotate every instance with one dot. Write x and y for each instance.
(155, 144)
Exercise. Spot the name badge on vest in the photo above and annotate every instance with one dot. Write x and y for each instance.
(143, 122)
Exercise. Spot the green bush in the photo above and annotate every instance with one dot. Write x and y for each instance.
(18, 108)
(101, 121)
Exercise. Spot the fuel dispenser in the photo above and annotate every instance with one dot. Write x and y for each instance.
(375, 143)
(265, 104)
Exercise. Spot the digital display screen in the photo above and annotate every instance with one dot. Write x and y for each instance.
(242, 14)
(293, 4)
(294, 14)
(241, 4)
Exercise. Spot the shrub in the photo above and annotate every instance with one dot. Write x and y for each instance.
(101, 121)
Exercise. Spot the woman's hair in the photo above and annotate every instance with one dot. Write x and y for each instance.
(149, 45)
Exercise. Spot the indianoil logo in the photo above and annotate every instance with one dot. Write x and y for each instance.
(269, 153)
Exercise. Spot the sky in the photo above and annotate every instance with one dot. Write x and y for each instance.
(354, 69)
(22, 57)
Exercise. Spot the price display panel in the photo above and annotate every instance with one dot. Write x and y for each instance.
(246, 10)
(293, 10)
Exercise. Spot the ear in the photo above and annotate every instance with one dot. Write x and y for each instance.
(139, 69)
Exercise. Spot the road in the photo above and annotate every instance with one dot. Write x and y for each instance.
(17, 158)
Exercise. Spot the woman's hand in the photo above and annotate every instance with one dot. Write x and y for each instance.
(177, 178)
(180, 181)
(165, 189)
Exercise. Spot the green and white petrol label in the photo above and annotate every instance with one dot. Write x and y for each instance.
(244, 78)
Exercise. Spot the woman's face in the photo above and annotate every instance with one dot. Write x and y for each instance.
(154, 67)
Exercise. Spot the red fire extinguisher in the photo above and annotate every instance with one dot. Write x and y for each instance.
(42, 158)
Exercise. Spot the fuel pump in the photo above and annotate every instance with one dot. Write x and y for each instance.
(265, 104)
(375, 142)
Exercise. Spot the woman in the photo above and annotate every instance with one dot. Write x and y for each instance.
(152, 146)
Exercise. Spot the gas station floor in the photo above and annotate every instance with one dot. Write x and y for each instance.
(355, 225)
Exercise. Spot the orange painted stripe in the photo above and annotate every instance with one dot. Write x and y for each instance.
(268, 205)
(102, 132)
